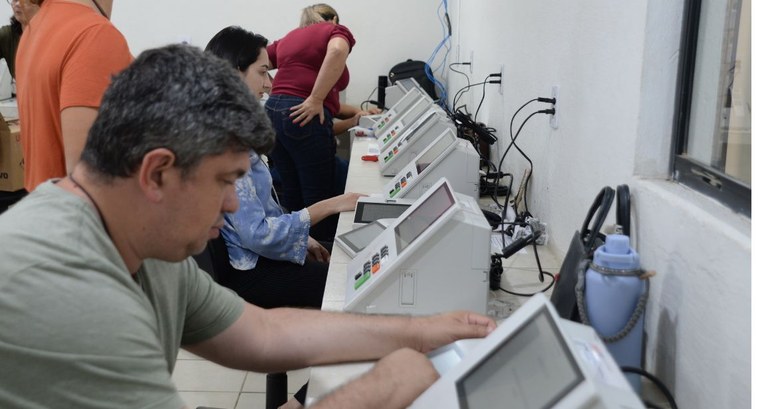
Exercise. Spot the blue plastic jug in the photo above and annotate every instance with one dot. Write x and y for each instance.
(612, 296)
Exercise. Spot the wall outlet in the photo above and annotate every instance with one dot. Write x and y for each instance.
(554, 118)
(502, 79)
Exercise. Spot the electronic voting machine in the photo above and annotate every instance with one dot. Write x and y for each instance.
(447, 156)
(410, 107)
(413, 140)
(534, 359)
(435, 257)
(394, 92)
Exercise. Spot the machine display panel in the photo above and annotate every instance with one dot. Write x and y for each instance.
(426, 120)
(405, 102)
(416, 112)
(423, 216)
(532, 369)
(433, 153)
(356, 240)
(409, 83)
(367, 212)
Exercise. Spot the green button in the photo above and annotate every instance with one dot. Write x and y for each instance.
(362, 280)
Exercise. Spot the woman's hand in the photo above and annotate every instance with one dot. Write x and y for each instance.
(309, 109)
(316, 251)
(346, 202)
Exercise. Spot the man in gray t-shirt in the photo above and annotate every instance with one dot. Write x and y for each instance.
(98, 292)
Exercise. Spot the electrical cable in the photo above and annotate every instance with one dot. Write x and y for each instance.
(368, 100)
(462, 90)
(468, 80)
(427, 68)
(444, 19)
(550, 285)
(513, 142)
(531, 165)
(657, 382)
(481, 101)
(526, 185)
(502, 158)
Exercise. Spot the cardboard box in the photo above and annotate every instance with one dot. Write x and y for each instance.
(11, 158)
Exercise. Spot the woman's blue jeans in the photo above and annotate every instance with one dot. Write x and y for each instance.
(304, 158)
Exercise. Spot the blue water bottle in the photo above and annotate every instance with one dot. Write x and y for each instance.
(615, 298)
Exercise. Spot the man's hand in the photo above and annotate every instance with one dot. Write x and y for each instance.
(442, 329)
(316, 251)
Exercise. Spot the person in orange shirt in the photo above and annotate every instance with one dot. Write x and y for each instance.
(65, 61)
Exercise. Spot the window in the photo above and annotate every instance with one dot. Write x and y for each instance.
(712, 129)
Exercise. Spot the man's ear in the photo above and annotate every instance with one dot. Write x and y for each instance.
(155, 170)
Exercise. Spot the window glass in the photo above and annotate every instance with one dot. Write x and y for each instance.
(713, 140)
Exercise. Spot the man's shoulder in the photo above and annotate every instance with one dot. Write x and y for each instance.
(51, 228)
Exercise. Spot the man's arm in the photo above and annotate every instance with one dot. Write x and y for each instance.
(75, 125)
(285, 338)
(394, 382)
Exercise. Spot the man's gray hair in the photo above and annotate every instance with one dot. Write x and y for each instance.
(179, 98)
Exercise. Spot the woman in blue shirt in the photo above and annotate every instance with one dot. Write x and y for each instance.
(277, 262)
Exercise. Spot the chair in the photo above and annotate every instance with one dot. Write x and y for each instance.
(215, 261)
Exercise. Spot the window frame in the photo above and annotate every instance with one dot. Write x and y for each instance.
(692, 173)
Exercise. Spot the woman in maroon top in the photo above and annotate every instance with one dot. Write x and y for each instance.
(304, 100)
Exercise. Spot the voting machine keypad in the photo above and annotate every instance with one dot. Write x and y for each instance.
(371, 267)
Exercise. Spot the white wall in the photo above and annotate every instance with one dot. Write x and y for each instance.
(5, 14)
(383, 38)
(616, 65)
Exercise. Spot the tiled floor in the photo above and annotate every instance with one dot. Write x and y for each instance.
(203, 383)
(521, 275)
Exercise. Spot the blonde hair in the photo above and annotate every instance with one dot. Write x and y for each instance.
(318, 13)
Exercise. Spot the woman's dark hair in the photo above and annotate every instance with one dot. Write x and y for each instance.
(16, 25)
(237, 45)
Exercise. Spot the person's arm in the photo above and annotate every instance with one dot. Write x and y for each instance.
(278, 237)
(395, 381)
(316, 251)
(348, 111)
(331, 69)
(342, 125)
(101, 52)
(350, 115)
(286, 338)
(325, 208)
(75, 125)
